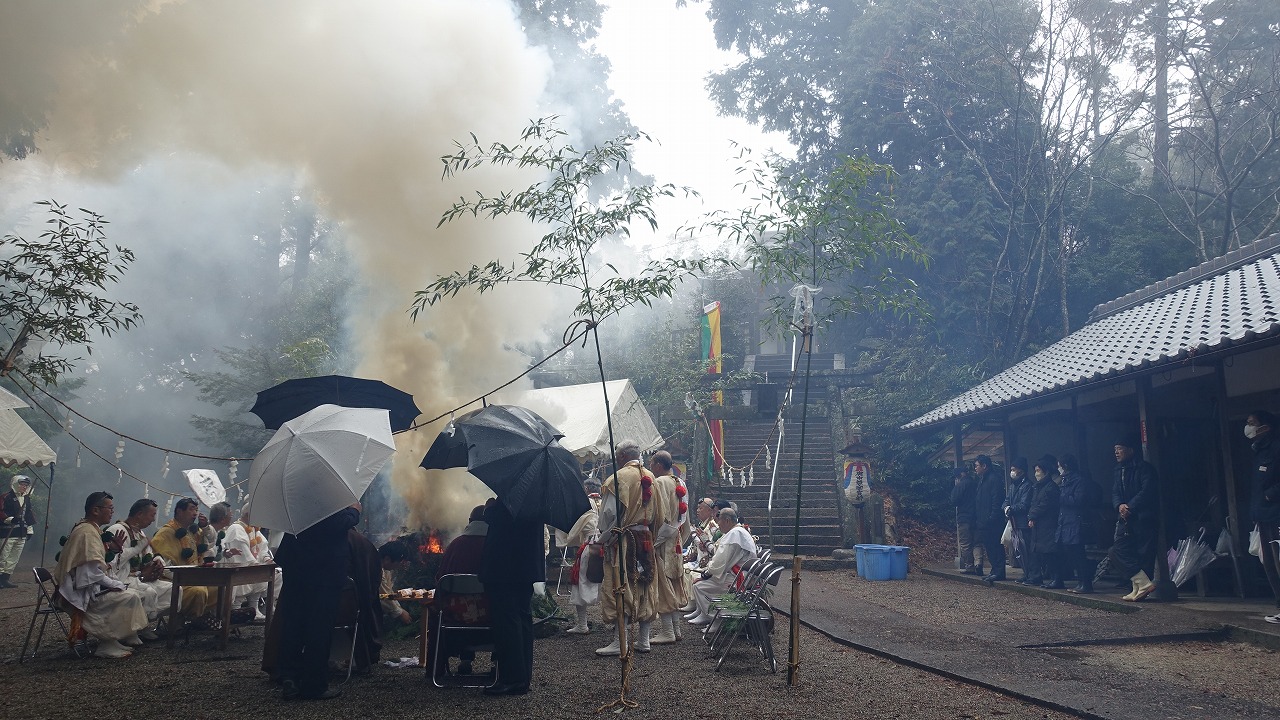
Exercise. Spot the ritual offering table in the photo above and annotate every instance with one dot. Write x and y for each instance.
(224, 578)
(424, 599)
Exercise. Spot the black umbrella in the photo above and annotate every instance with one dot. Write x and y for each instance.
(292, 398)
(515, 452)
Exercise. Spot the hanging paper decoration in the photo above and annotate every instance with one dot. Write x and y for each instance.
(231, 472)
(768, 458)
(77, 456)
(742, 478)
(66, 424)
(168, 507)
(119, 450)
(146, 490)
(751, 476)
(119, 476)
(164, 471)
(725, 474)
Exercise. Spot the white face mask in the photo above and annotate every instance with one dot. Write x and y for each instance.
(1040, 474)
(1251, 431)
(1014, 474)
(1062, 470)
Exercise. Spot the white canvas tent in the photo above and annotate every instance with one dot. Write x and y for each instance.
(19, 444)
(578, 412)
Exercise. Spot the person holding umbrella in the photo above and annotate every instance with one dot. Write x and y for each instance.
(512, 562)
(316, 564)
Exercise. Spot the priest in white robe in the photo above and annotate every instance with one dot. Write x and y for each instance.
(112, 613)
(733, 550)
(137, 565)
(244, 544)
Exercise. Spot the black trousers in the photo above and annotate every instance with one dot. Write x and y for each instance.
(511, 621)
(1075, 560)
(990, 537)
(306, 635)
(1270, 565)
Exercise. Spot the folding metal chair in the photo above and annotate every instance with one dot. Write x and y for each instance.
(752, 619)
(346, 628)
(462, 609)
(45, 608)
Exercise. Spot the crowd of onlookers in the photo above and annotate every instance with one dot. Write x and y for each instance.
(1040, 517)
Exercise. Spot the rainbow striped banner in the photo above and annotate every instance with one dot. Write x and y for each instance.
(711, 352)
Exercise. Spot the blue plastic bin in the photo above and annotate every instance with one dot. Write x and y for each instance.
(898, 562)
(861, 557)
(878, 563)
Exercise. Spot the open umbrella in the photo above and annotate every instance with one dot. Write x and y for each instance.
(291, 398)
(316, 465)
(515, 452)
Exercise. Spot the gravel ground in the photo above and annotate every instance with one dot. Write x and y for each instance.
(198, 681)
(1237, 670)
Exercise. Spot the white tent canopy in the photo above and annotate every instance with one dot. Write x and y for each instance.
(19, 444)
(578, 412)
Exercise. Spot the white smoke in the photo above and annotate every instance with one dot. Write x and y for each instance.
(358, 99)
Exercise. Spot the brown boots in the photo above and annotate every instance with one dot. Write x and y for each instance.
(1142, 587)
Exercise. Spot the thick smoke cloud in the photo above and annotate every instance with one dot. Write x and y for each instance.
(171, 116)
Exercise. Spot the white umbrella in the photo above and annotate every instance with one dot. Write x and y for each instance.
(317, 464)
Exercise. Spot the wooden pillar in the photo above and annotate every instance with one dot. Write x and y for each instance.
(1225, 445)
(1165, 589)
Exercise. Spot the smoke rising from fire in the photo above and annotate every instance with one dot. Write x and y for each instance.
(360, 100)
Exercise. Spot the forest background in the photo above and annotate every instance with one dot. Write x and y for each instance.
(1045, 156)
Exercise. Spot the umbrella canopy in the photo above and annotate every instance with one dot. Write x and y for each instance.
(316, 465)
(291, 398)
(515, 452)
(1194, 555)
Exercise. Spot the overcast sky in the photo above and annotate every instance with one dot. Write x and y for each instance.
(661, 56)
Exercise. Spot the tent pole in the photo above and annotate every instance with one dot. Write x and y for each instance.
(48, 501)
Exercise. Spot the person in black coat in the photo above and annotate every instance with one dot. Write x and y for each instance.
(1042, 521)
(1135, 494)
(962, 495)
(1079, 496)
(512, 562)
(1264, 497)
(317, 566)
(1017, 502)
(989, 520)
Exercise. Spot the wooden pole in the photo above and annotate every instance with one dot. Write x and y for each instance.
(793, 655)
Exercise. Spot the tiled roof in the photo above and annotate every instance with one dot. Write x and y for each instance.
(1209, 307)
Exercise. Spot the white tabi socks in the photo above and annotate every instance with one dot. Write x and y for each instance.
(581, 627)
(666, 633)
(642, 642)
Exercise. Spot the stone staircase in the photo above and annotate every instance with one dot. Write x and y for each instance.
(820, 530)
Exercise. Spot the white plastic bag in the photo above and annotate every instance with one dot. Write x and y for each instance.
(1224, 543)
(1007, 536)
(1255, 542)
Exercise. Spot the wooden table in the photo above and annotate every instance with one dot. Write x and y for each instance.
(222, 577)
(425, 604)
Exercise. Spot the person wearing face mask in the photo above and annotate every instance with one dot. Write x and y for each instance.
(1017, 501)
(17, 523)
(1042, 520)
(1079, 495)
(1264, 498)
(1135, 494)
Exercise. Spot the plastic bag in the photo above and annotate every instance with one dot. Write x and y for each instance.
(1224, 543)
(1007, 536)
(1255, 542)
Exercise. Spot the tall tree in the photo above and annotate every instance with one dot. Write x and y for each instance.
(1222, 180)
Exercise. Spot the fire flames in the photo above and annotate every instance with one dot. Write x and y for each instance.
(432, 546)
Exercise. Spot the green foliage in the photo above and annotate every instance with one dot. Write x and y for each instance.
(564, 199)
(54, 287)
(833, 231)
